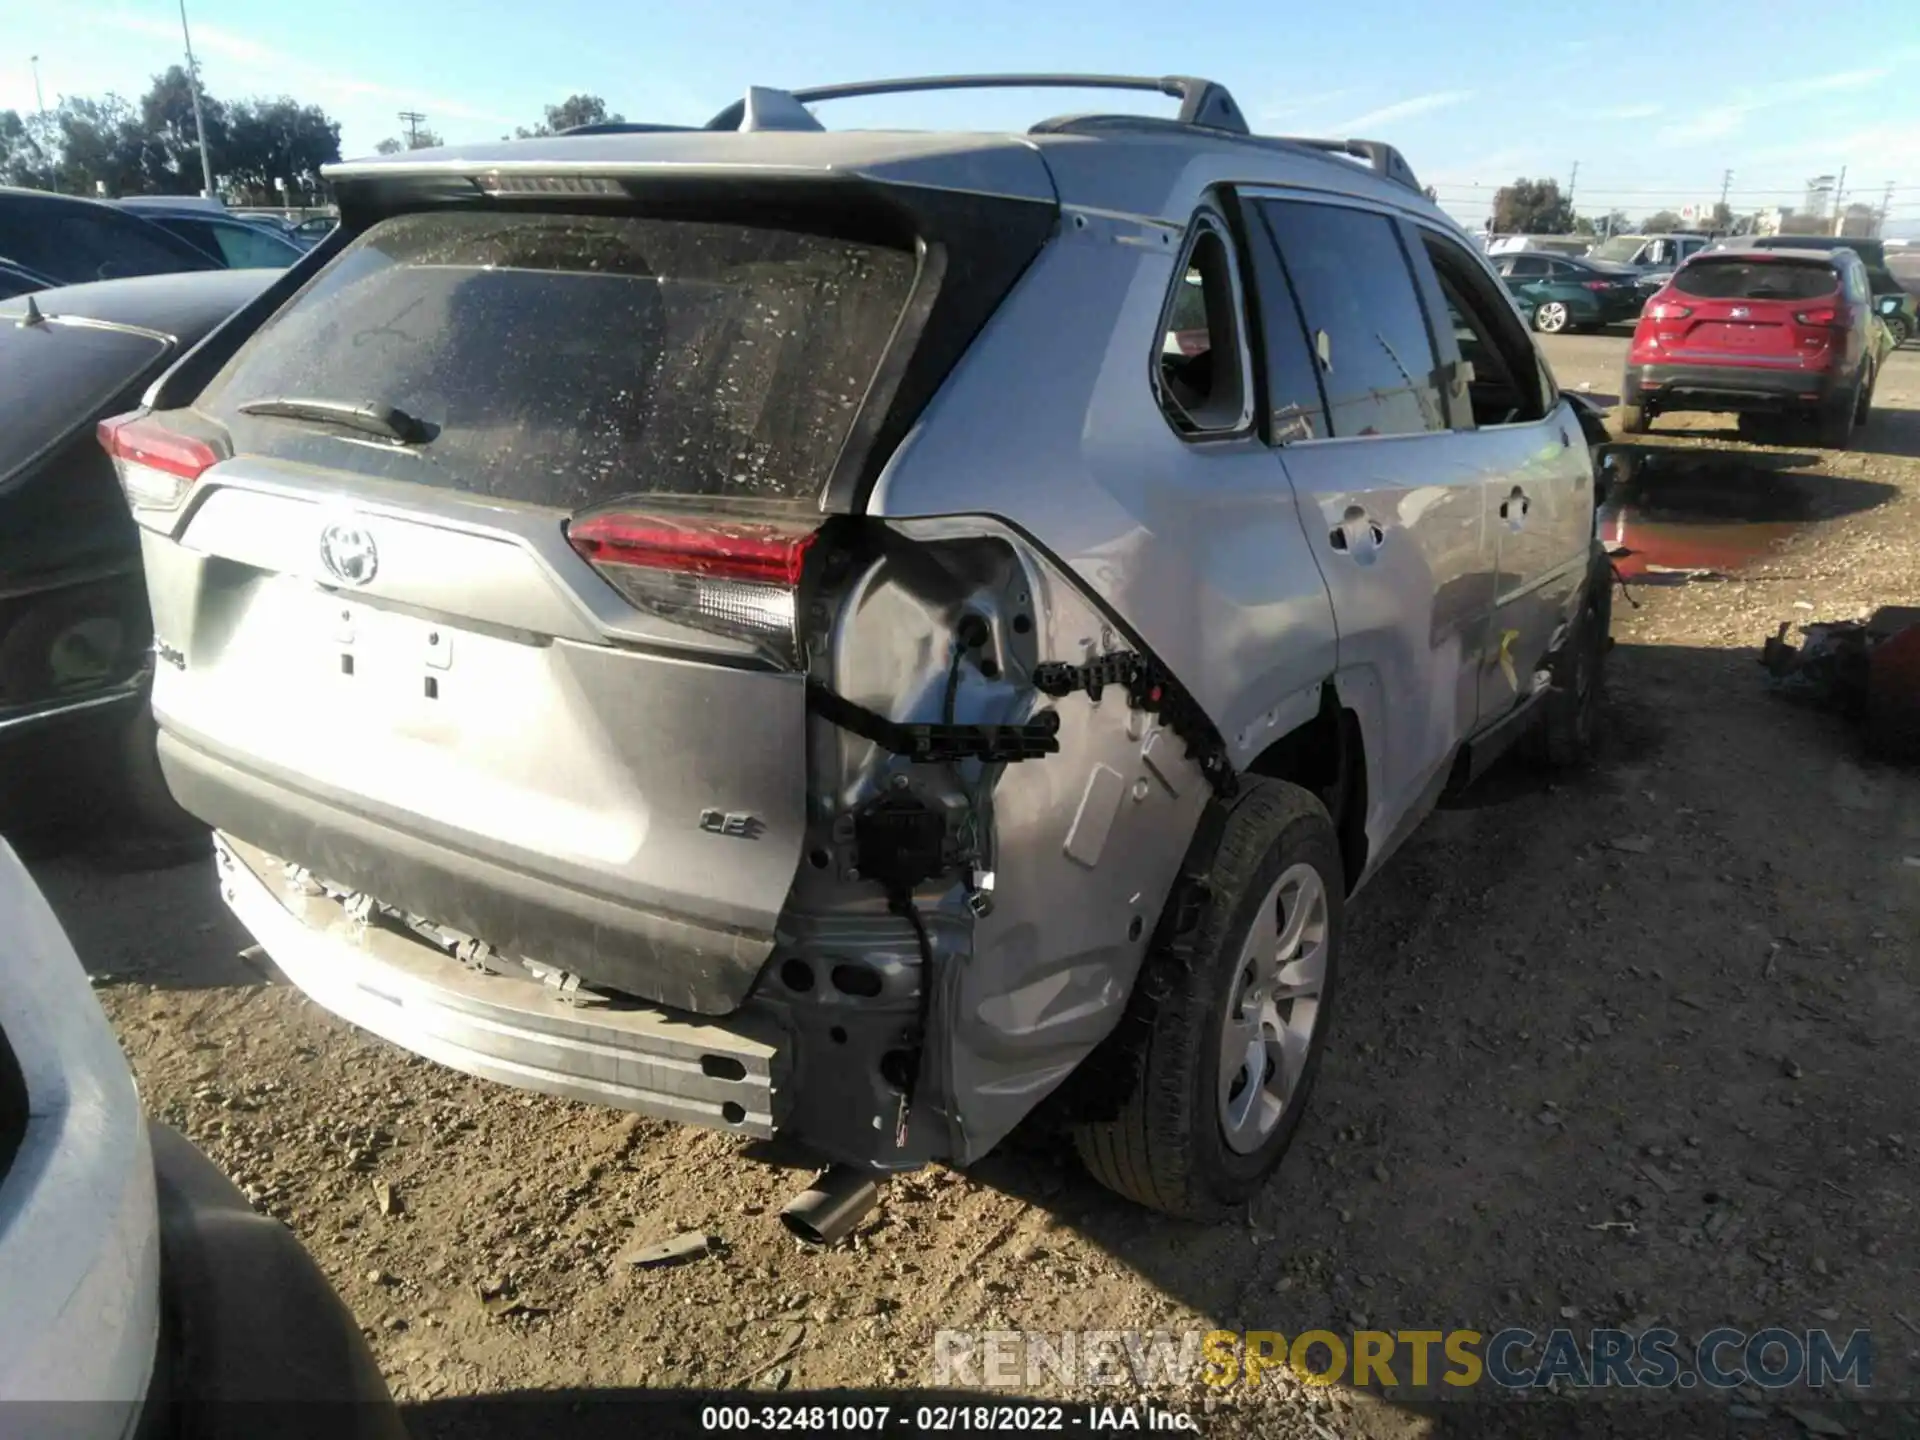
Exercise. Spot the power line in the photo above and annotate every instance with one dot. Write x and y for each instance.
(413, 120)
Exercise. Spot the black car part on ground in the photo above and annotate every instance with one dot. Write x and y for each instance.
(1868, 670)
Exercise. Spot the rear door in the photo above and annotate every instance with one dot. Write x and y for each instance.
(490, 609)
(1392, 499)
(1532, 461)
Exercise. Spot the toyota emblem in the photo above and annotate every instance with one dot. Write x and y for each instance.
(347, 551)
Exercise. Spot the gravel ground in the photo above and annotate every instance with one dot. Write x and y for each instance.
(1632, 1048)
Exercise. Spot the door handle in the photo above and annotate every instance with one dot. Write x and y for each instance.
(1514, 508)
(1357, 533)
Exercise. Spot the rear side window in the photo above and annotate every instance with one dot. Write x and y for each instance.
(1362, 315)
(75, 244)
(1711, 279)
(571, 360)
(1201, 374)
(245, 248)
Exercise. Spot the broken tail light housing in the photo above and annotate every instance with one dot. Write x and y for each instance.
(730, 576)
(157, 466)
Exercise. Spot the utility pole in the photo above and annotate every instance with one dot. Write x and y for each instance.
(1572, 180)
(39, 100)
(1886, 205)
(1839, 204)
(199, 121)
(412, 119)
(1726, 185)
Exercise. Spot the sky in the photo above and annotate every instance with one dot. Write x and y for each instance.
(1655, 102)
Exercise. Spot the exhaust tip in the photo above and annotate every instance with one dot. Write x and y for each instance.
(826, 1212)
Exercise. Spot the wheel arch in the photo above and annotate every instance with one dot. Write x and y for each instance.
(1327, 756)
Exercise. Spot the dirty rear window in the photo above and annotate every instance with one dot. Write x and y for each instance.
(570, 360)
(1756, 280)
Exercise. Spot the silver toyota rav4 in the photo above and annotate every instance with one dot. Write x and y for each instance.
(849, 635)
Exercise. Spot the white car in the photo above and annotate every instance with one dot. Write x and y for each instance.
(135, 1277)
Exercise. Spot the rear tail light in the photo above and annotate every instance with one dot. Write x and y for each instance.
(156, 466)
(1668, 310)
(734, 577)
(1827, 315)
(1598, 284)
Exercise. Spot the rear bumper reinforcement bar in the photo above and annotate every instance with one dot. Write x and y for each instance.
(727, 1076)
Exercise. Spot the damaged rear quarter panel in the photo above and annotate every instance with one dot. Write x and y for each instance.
(1084, 844)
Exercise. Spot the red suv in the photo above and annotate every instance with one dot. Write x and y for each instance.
(1763, 333)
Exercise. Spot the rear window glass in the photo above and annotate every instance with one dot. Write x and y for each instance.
(1755, 280)
(570, 360)
(55, 376)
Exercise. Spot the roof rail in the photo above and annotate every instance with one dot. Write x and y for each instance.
(1385, 161)
(1202, 102)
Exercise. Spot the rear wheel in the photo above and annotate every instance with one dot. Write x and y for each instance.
(1900, 327)
(1569, 720)
(1834, 421)
(1551, 318)
(1635, 420)
(1865, 407)
(1223, 1035)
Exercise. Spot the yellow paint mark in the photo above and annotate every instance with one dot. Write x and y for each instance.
(1507, 637)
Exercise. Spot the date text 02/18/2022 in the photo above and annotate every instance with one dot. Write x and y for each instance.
(974, 1419)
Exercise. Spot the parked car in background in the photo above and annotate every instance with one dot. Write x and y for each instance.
(1570, 245)
(74, 242)
(75, 635)
(1764, 333)
(309, 232)
(886, 762)
(237, 242)
(144, 1296)
(1649, 252)
(1891, 301)
(1570, 294)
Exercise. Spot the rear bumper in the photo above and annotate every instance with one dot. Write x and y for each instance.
(606, 941)
(1727, 387)
(514, 1030)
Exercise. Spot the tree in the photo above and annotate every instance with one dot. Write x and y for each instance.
(1722, 215)
(1531, 207)
(101, 144)
(572, 111)
(1660, 222)
(1860, 221)
(167, 139)
(423, 139)
(1584, 226)
(28, 150)
(281, 139)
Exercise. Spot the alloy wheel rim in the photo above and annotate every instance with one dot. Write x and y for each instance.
(1273, 1008)
(1553, 317)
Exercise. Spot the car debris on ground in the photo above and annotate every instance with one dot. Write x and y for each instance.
(1868, 670)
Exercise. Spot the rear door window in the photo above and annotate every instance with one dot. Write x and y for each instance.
(1715, 279)
(245, 248)
(1362, 315)
(570, 360)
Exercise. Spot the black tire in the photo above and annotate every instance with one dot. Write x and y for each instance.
(1634, 420)
(1159, 1137)
(1563, 737)
(1834, 421)
(1864, 408)
(69, 643)
(1900, 328)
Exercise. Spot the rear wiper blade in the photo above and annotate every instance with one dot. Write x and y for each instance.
(389, 422)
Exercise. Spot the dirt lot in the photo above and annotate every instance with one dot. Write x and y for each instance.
(1679, 992)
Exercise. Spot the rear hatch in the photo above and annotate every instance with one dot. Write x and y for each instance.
(1747, 310)
(480, 570)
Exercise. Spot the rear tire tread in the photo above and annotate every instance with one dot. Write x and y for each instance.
(1145, 1151)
